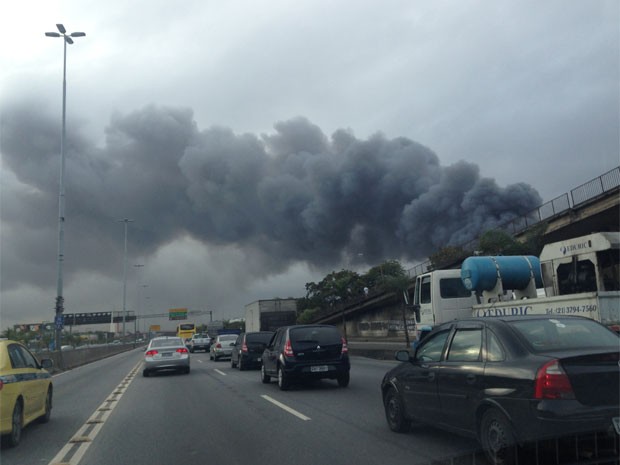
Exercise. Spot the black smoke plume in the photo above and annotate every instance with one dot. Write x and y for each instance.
(293, 195)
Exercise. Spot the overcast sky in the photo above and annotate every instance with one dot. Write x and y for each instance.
(258, 145)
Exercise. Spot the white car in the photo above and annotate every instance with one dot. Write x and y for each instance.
(166, 354)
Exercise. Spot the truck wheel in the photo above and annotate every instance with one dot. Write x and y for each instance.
(283, 382)
(395, 412)
(497, 438)
(264, 377)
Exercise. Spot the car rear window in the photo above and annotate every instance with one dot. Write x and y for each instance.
(258, 338)
(167, 342)
(232, 337)
(315, 335)
(565, 334)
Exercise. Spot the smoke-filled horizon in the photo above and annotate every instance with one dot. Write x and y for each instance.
(293, 195)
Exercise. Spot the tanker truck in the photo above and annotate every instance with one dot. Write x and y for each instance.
(579, 276)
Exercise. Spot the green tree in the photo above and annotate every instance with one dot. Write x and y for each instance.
(497, 242)
(337, 286)
(448, 256)
(13, 334)
(378, 275)
(307, 316)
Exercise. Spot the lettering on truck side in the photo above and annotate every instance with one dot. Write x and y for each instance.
(510, 311)
(569, 309)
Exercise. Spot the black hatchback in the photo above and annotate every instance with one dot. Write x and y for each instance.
(248, 349)
(305, 352)
(511, 381)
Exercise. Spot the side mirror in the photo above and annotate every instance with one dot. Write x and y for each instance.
(402, 355)
(47, 363)
(416, 312)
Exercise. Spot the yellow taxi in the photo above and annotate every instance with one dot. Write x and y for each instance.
(25, 390)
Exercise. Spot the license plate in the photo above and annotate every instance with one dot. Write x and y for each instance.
(166, 354)
(616, 422)
(318, 369)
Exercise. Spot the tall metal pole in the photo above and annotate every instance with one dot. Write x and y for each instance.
(125, 220)
(59, 304)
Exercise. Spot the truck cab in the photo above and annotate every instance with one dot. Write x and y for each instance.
(578, 276)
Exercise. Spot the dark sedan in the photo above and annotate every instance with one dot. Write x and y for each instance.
(510, 381)
(249, 348)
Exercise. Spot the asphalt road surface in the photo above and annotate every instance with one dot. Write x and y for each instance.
(219, 415)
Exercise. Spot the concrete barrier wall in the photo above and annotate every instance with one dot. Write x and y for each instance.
(68, 359)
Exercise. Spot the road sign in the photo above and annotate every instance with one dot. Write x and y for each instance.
(177, 314)
(58, 321)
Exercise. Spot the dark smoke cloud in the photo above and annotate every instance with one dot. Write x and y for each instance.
(294, 195)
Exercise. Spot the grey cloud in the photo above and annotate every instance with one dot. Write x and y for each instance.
(296, 195)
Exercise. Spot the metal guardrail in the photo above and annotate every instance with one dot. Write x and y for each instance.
(547, 211)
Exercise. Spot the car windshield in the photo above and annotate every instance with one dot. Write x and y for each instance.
(565, 334)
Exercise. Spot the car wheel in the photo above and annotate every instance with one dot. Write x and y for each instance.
(191, 351)
(232, 363)
(282, 380)
(497, 438)
(48, 407)
(17, 424)
(187, 370)
(241, 365)
(395, 412)
(145, 373)
(343, 380)
(264, 377)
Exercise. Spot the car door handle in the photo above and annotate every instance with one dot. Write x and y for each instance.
(431, 376)
(471, 378)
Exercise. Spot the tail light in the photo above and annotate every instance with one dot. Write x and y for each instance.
(1, 385)
(244, 347)
(182, 350)
(552, 382)
(288, 349)
(218, 346)
(345, 348)
(150, 353)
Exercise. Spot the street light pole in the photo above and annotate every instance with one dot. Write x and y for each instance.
(59, 307)
(125, 220)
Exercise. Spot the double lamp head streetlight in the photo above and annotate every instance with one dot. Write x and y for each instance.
(62, 32)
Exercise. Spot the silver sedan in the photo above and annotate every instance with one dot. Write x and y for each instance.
(222, 346)
(166, 353)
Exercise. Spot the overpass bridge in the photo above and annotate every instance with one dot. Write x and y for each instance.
(591, 207)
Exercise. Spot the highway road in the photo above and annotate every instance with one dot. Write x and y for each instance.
(220, 415)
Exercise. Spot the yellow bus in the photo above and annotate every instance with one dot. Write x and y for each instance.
(185, 331)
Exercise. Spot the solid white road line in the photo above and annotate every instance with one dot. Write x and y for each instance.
(220, 372)
(286, 408)
(84, 436)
